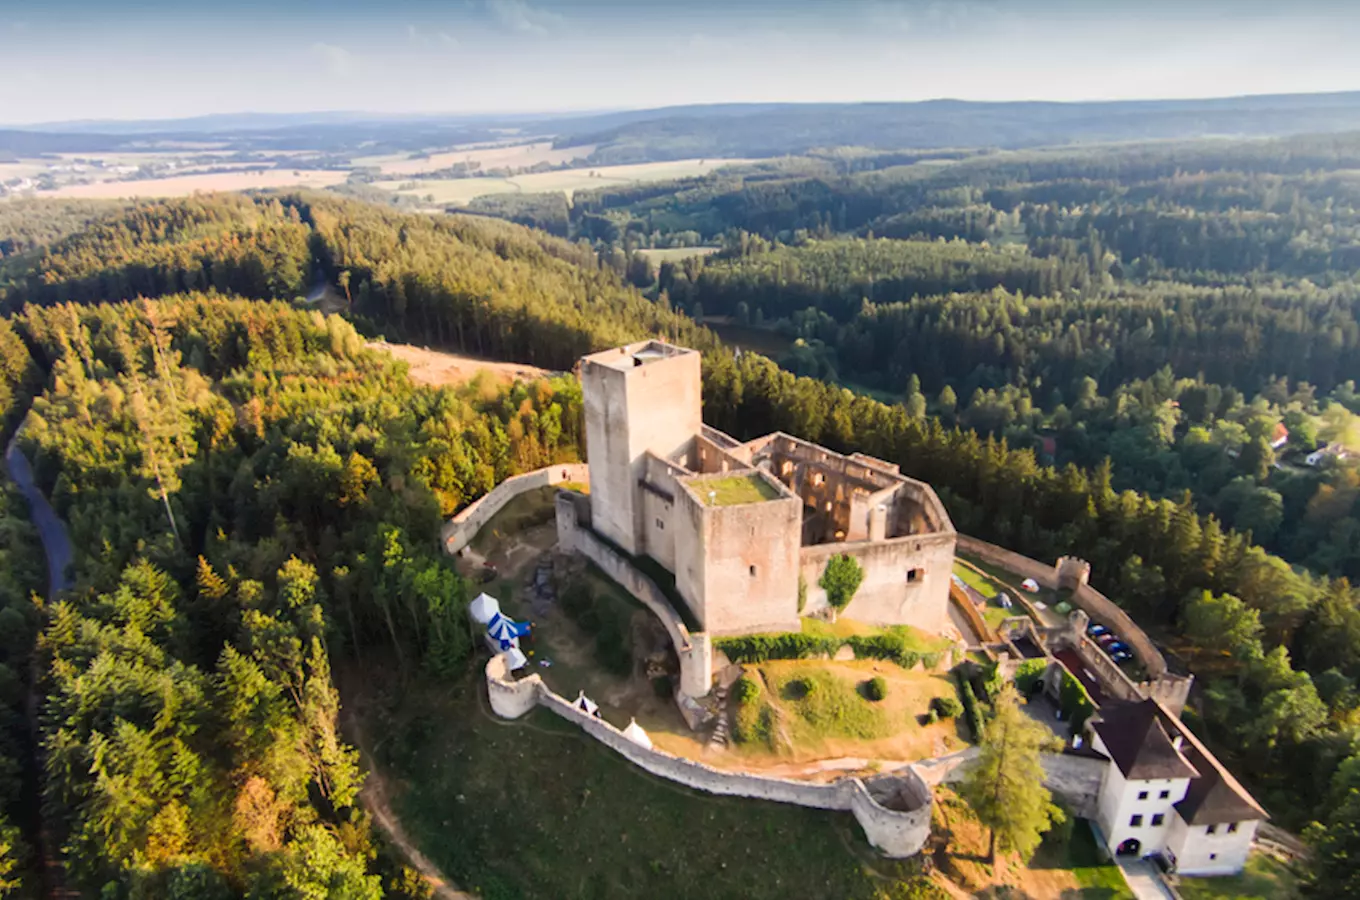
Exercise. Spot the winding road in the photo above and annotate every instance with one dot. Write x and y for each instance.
(56, 543)
(57, 546)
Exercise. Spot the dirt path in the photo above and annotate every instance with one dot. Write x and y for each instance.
(374, 799)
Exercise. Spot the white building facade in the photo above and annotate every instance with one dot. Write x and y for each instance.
(1165, 793)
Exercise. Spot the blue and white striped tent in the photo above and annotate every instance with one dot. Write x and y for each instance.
(505, 632)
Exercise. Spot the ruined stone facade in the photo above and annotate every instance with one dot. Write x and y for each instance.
(739, 525)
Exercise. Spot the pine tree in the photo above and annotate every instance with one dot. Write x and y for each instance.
(1005, 787)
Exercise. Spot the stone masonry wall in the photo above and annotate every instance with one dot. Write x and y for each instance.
(886, 597)
(696, 662)
(895, 833)
(1071, 777)
(459, 531)
(1093, 602)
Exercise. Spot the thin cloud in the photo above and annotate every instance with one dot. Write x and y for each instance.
(419, 38)
(338, 60)
(519, 16)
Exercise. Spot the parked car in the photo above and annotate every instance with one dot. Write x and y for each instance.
(1121, 656)
(1117, 647)
(1096, 631)
(1106, 639)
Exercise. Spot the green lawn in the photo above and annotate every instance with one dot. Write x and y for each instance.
(734, 490)
(534, 808)
(1100, 880)
(992, 613)
(1264, 878)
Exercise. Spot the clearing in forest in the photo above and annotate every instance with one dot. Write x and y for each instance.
(437, 368)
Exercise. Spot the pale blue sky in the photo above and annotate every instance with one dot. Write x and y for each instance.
(70, 59)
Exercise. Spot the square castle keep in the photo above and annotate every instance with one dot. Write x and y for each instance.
(740, 524)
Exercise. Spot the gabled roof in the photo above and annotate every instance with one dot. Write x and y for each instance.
(1216, 796)
(1137, 740)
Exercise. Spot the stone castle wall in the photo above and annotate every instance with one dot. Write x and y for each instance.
(895, 833)
(459, 531)
(1091, 601)
(693, 650)
(1073, 778)
(886, 596)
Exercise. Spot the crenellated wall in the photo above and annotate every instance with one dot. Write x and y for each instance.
(894, 832)
(1170, 688)
(459, 531)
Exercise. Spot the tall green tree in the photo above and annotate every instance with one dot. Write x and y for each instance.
(1005, 786)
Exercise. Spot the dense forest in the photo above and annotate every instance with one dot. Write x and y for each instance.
(251, 493)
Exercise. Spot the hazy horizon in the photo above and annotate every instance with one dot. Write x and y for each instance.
(71, 60)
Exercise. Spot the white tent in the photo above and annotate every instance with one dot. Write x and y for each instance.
(586, 705)
(1030, 585)
(515, 659)
(635, 734)
(484, 608)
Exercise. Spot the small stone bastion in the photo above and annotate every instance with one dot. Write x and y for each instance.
(893, 809)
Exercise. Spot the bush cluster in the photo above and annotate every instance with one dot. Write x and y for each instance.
(1029, 675)
(754, 648)
(876, 688)
(971, 707)
(946, 707)
(1075, 702)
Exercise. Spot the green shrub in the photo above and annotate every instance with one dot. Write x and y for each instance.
(841, 579)
(746, 690)
(889, 645)
(946, 707)
(932, 716)
(1029, 676)
(1075, 702)
(755, 648)
(970, 704)
(876, 688)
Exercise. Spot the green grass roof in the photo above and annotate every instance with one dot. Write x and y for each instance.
(734, 490)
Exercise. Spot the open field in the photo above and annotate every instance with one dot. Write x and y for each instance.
(534, 808)
(434, 367)
(513, 156)
(674, 254)
(185, 185)
(567, 181)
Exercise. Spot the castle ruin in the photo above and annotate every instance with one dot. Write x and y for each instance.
(746, 528)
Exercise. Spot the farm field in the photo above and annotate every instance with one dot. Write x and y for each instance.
(463, 190)
(494, 157)
(185, 185)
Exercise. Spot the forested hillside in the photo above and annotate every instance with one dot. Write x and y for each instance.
(251, 493)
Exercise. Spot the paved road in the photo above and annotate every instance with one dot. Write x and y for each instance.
(57, 546)
(56, 543)
(1144, 880)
